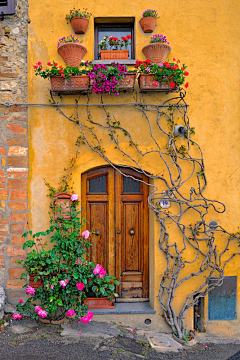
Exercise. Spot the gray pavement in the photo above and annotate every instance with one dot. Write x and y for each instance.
(30, 340)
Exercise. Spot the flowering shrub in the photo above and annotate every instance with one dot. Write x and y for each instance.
(114, 43)
(106, 78)
(159, 39)
(95, 281)
(164, 72)
(66, 276)
(68, 39)
(65, 72)
(78, 13)
(150, 12)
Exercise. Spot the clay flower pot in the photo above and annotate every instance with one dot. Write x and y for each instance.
(114, 54)
(54, 322)
(62, 200)
(34, 284)
(148, 24)
(79, 25)
(148, 83)
(72, 53)
(127, 82)
(156, 52)
(99, 303)
(74, 83)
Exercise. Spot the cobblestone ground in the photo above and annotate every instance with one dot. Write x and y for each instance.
(46, 343)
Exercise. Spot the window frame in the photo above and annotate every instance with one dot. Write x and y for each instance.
(113, 25)
(8, 9)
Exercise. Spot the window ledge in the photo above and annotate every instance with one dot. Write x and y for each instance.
(127, 308)
(108, 62)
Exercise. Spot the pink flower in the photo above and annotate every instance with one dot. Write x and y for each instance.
(62, 75)
(30, 290)
(102, 273)
(132, 330)
(17, 316)
(60, 224)
(42, 313)
(85, 234)
(80, 286)
(74, 197)
(70, 313)
(39, 63)
(38, 308)
(90, 315)
(85, 320)
(63, 283)
(21, 301)
(97, 269)
(49, 63)
(51, 286)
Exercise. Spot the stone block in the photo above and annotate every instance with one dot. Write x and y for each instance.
(18, 140)
(18, 161)
(15, 273)
(18, 217)
(18, 239)
(15, 283)
(17, 184)
(18, 195)
(17, 205)
(16, 229)
(16, 173)
(17, 129)
(18, 151)
(14, 250)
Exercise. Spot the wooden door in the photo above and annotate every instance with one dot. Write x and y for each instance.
(117, 210)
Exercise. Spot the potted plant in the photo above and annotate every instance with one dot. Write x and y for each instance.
(161, 76)
(98, 288)
(70, 49)
(116, 45)
(149, 20)
(65, 79)
(63, 279)
(79, 20)
(111, 79)
(158, 49)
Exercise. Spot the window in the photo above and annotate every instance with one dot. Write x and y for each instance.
(7, 7)
(222, 301)
(116, 27)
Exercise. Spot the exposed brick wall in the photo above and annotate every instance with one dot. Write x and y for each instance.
(13, 148)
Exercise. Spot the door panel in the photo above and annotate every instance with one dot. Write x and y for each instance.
(117, 207)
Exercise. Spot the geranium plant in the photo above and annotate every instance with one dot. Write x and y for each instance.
(78, 13)
(165, 72)
(106, 78)
(54, 69)
(150, 13)
(114, 43)
(159, 39)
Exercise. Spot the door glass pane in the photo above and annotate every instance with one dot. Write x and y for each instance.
(98, 185)
(115, 32)
(130, 185)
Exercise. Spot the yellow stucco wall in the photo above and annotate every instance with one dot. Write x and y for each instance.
(204, 35)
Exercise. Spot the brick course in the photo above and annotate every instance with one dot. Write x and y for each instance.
(14, 148)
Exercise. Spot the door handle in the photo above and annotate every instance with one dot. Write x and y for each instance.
(132, 232)
(97, 232)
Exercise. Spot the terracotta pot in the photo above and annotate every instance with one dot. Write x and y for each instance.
(114, 54)
(54, 322)
(146, 81)
(148, 24)
(64, 199)
(127, 82)
(99, 303)
(34, 284)
(156, 52)
(74, 83)
(79, 25)
(72, 53)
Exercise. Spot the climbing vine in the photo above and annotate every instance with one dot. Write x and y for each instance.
(179, 178)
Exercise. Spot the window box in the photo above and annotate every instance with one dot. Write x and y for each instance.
(73, 84)
(148, 83)
(114, 54)
(127, 82)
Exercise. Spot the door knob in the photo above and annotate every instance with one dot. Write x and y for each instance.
(97, 232)
(132, 232)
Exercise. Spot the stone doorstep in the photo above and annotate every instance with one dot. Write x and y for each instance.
(162, 342)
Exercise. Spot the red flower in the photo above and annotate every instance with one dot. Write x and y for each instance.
(49, 63)
(60, 66)
(129, 37)
(62, 75)
(61, 71)
(55, 64)
(35, 66)
(178, 61)
(39, 63)
(174, 59)
(172, 85)
(186, 73)
(123, 38)
(147, 62)
(186, 85)
(168, 65)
